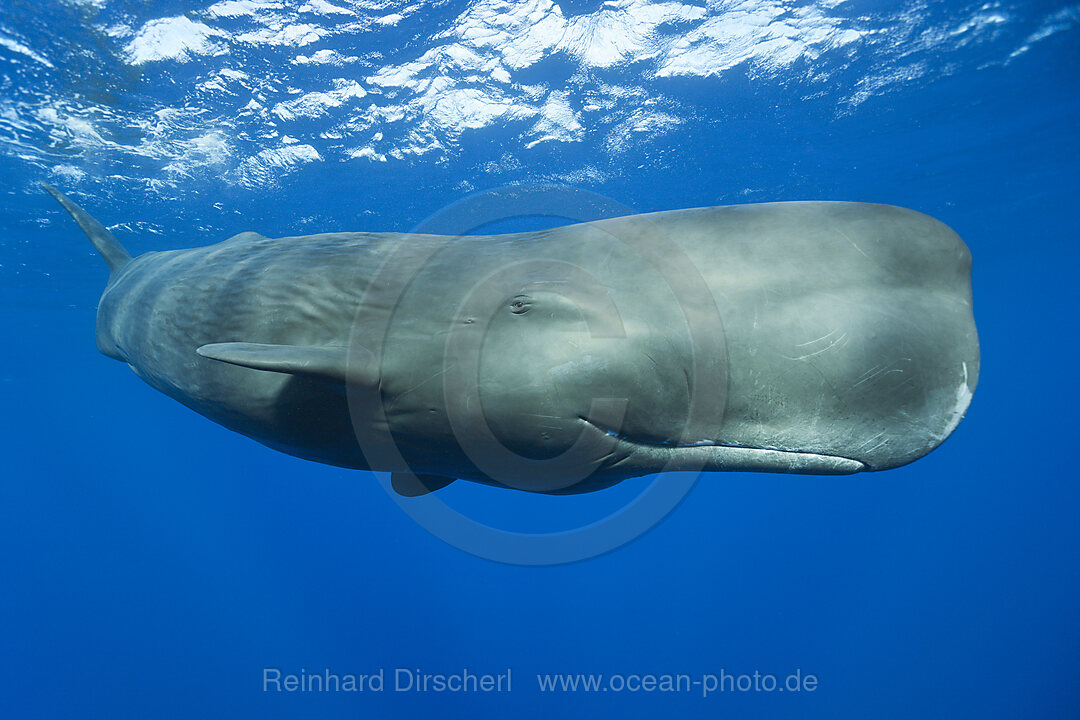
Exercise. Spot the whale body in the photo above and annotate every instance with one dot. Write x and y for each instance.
(805, 337)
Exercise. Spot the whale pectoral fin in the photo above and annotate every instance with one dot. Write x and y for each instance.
(327, 362)
(414, 485)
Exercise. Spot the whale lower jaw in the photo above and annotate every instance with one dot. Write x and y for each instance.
(710, 456)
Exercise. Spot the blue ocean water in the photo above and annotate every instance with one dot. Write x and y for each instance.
(155, 564)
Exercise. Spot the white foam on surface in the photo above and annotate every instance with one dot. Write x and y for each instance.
(241, 8)
(642, 124)
(324, 57)
(176, 38)
(369, 153)
(1060, 21)
(296, 35)
(321, 7)
(769, 34)
(316, 104)
(269, 164)
(558, 121)
(523, 33)
(334, 82)
(17, 47)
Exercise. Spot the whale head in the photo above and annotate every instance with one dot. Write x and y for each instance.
(539, 381)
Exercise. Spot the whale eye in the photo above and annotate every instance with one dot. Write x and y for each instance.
(520, 304)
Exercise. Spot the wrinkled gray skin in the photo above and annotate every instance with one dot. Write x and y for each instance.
(814, 337)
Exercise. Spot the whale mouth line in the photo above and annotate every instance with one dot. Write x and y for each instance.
(743, 456)
(667, 444)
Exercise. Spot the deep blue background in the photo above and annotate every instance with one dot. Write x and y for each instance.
(153, 563)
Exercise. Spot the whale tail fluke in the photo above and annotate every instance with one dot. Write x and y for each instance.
(110, 248)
